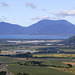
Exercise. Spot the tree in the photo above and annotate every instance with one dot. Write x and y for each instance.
(28, 55)
(19, 74)
(3, 73)
(69, 65)
(22, 74)
(25, 74)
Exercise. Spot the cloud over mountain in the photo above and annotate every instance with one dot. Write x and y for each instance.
(40, 18)
(64, 13)
(3, 18)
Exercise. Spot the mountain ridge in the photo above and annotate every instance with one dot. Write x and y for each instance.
(42, 27)
(70, 41)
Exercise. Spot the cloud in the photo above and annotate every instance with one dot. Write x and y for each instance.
(33, 6)
(4, 4)
(30, 4)
(55, 18)
(3, 18)
(40, 18)
(44, 9)
(64, 13)
(46, 17)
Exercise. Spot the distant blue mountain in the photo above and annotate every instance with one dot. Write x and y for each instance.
(11, 29)
(43, 27)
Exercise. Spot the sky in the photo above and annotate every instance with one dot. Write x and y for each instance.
(28, 12)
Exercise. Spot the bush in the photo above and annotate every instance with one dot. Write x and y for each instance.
(22, 74)
(3, 73)
(69, 65)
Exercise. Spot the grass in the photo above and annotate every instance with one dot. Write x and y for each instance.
(55, 55)
(4, 59)
(68, 70)
(68, 50)
(35, 70)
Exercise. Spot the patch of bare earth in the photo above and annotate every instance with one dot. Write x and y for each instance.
(72, 63)
(73, 60)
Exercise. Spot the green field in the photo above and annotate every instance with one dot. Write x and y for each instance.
(53, 61)
(55, 55)
(68, 50)
(35, 70)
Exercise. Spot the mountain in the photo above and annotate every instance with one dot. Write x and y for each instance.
(69, 41)
(43, 27)
(11, 29)
(52, 27)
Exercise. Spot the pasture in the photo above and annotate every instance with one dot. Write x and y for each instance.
(55, 55)
(56, 62)
(15, 68)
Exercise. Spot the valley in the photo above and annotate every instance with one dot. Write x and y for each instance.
(48, 56)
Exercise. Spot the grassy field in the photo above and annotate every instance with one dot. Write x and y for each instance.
(35, 70)
(68, 50)
(10, 64)
(47, 59)
(55, 55)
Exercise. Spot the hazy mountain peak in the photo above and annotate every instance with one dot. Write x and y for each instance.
(43, 27)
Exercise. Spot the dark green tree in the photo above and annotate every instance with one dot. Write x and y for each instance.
(69, 65)
(3, 73)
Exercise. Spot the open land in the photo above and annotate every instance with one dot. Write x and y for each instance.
(45, 58)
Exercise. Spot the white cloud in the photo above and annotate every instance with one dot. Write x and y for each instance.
(4, 4)
(46, 17)
(3, 18)
(55, 18)
(40, 18)
(30, 4)
(64, 13)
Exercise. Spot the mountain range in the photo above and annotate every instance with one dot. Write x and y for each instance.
(43, 27)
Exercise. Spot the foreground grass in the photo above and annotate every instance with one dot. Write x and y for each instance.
(68, 70)
(35, 70)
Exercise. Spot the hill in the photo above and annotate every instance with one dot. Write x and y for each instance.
(69, 41)
(43, 27)
(52, 27)
(11, 29)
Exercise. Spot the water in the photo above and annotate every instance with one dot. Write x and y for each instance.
(32, 37)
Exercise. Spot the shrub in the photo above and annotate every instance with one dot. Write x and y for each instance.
(69, 65)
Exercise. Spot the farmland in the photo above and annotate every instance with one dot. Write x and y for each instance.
(14, 68)
(48, 58)
(56, 55)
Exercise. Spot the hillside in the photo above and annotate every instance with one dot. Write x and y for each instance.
(69, 41)
(11, 29)
(43, 27)
(52, 27)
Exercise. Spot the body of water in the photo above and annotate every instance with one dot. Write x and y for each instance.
(32, 37)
